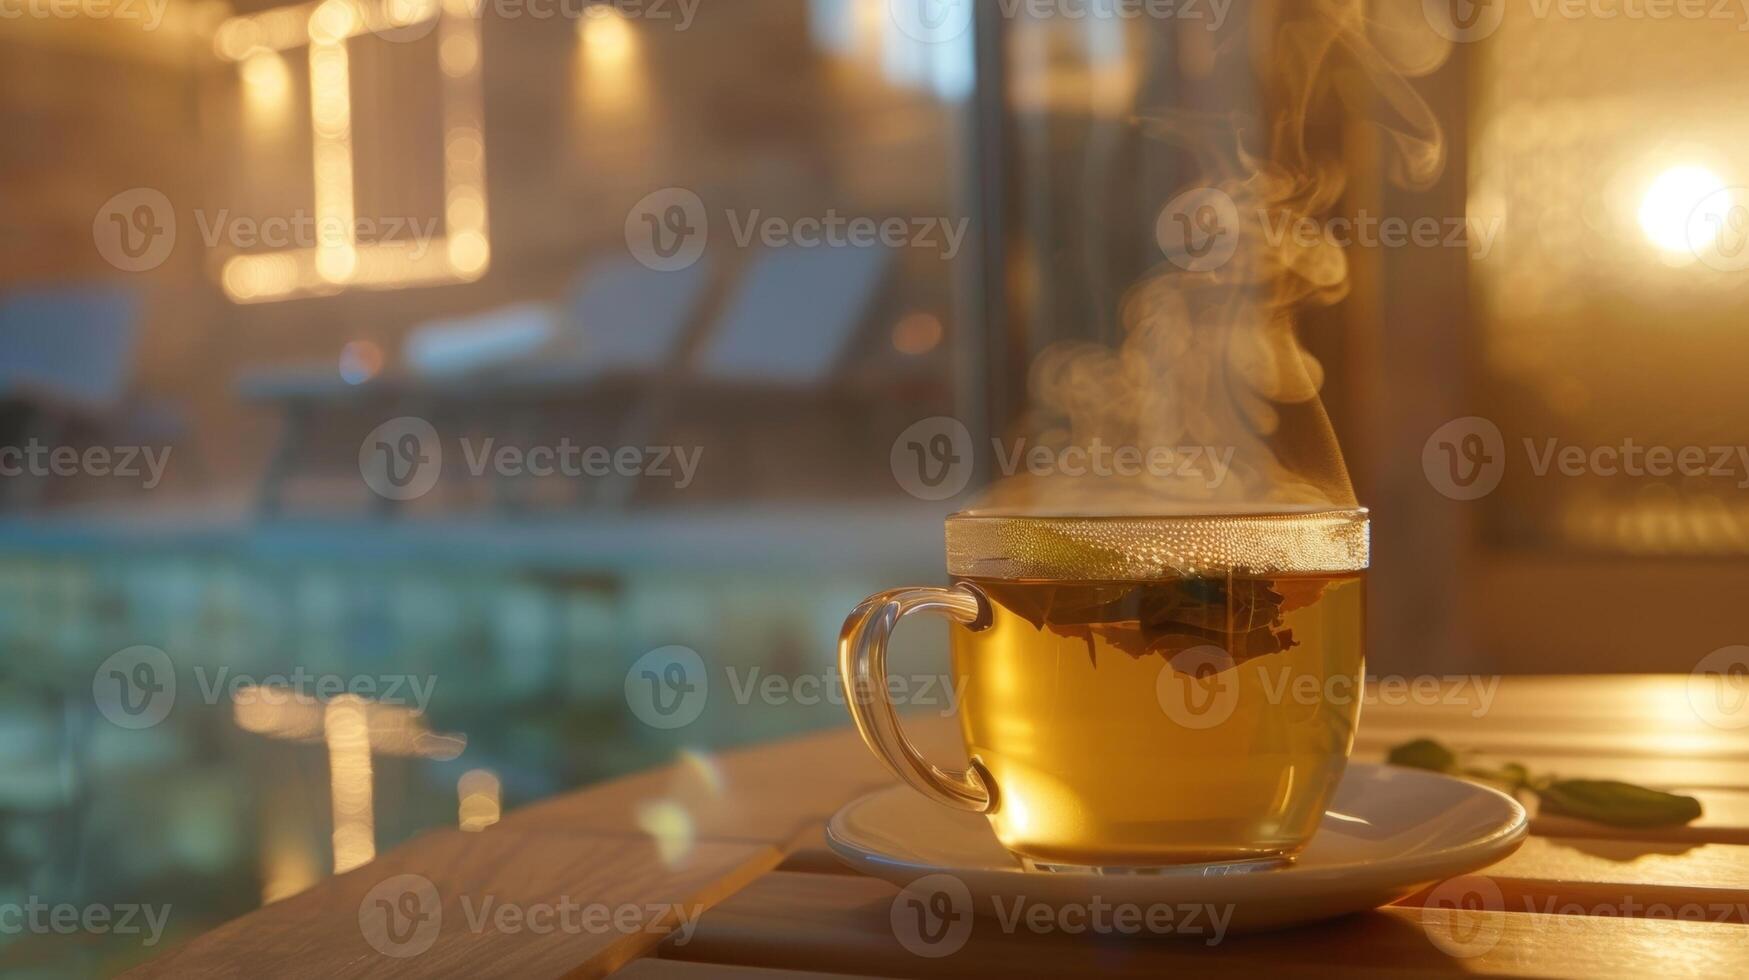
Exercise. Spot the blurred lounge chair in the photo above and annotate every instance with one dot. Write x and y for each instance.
(622, 324)
(66, 360)
(784, 333)
(793, 317)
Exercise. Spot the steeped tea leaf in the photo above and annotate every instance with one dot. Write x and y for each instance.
(1240, 616)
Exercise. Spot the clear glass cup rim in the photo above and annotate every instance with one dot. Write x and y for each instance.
(1117, 547)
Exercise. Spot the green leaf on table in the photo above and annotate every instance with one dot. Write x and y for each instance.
(1600, 800)
(1617, 804)
(1423, 753)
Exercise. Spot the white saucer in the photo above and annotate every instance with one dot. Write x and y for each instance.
(1388, 833)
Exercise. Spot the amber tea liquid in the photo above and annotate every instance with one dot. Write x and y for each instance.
(1160, 721)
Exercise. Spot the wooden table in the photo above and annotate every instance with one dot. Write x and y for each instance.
(736, 842)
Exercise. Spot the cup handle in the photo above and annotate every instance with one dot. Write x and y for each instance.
(862, 666)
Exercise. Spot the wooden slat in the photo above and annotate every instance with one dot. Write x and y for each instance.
(800, 921)
(1660, 771)
(769, 794)
(1709, 882)
(1724, 819)
(655, 969)
(320, 933)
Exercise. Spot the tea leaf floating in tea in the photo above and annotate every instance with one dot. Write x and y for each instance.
(1602, 801)
(1241, 616)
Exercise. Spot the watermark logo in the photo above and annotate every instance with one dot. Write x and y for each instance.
(1718, 230)
(667, 688)
(932, 916)
(1460, 916)
(1464, 21)
(668, 229)
(1198, 688)
(1199, 229)
(1465, 458)
(135, 688)
(402, 916)
(932, 459)
(1718, 688)
(401, 459)
(135, 230)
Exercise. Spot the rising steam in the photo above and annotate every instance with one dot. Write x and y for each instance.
(1211, 357)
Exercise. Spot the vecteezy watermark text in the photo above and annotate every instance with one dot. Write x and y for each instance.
(669, 687)
(303, 230)
(1465, 459)
(1198, 688)
(1476, 20)
(934, 458)
(35, 916)
(144, 463)
(402, 917)
(940, 21)
(149, 13)
(1203, 229)
(137, 687)
(402, 459)
(932, 917)
(667, 230)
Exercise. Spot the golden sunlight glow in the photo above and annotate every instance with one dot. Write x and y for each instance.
(340, 263)
(1671, 201)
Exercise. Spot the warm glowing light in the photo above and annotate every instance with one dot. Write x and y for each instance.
(458, 54)
(344, 262)
(607, 65)
(479, 792)
(238, 37)
(917, 333)
(346, 728)
(469, 253)
(267, 84)
(607, 36)
(395, 730)
(333, 21)
(1671, 201)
